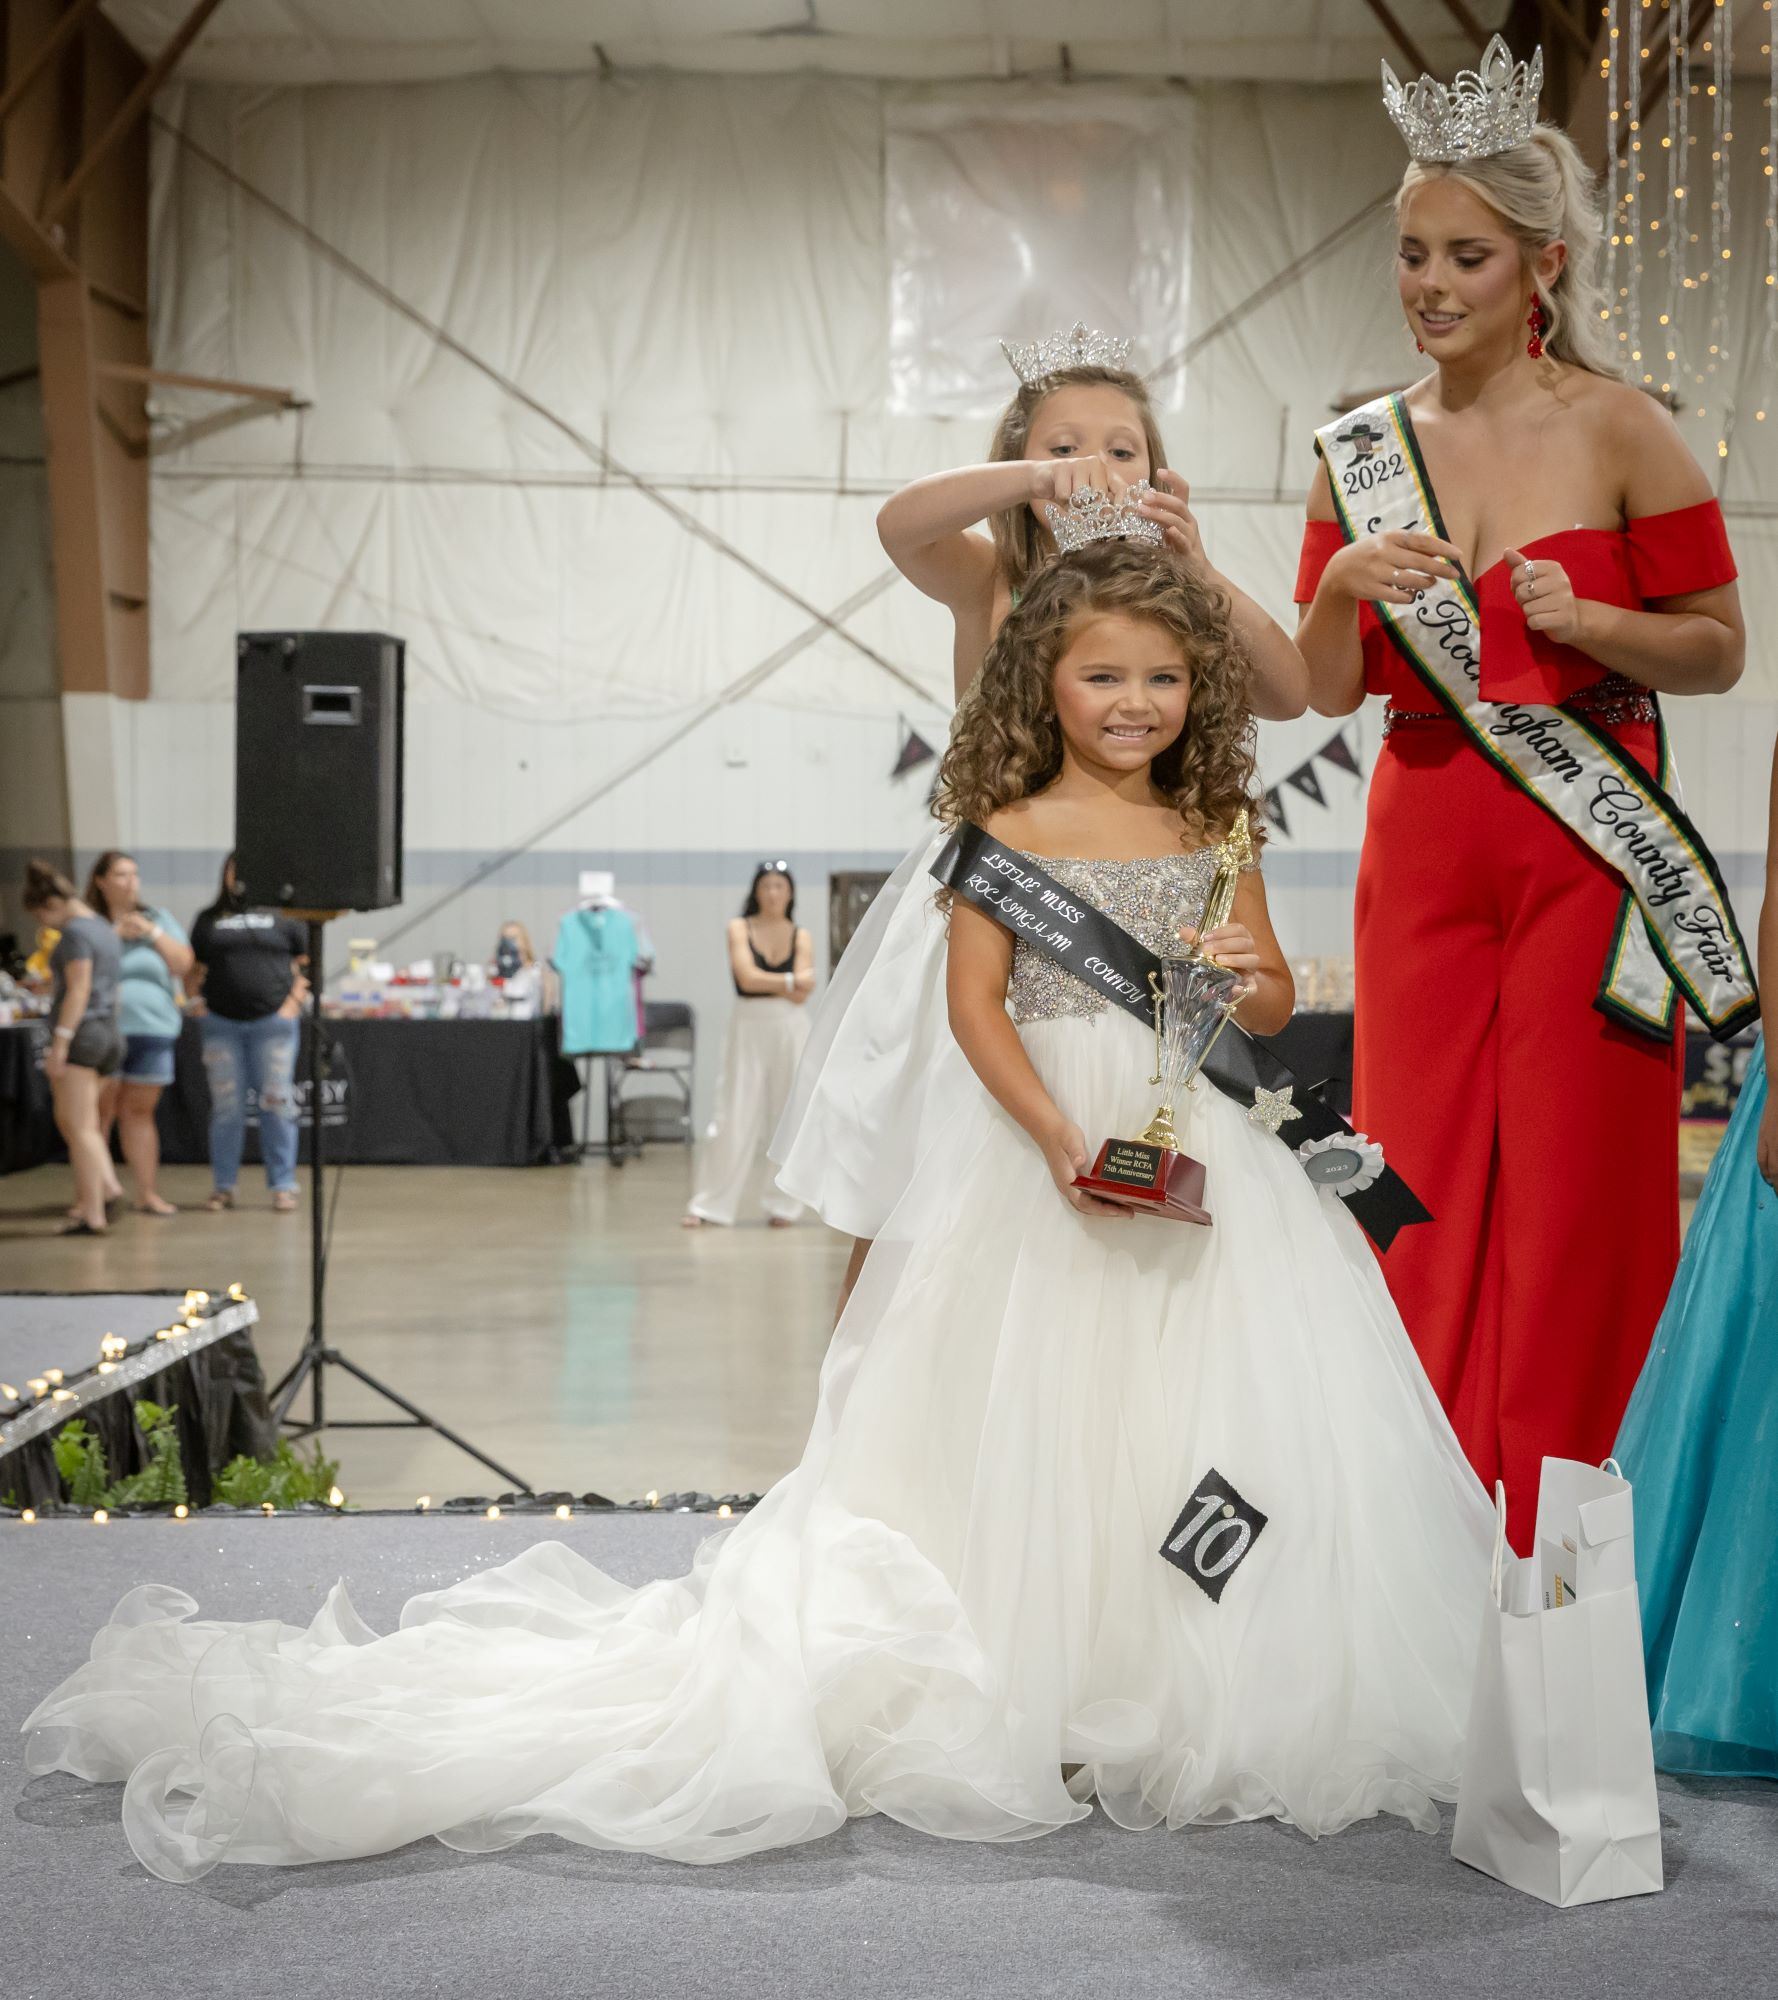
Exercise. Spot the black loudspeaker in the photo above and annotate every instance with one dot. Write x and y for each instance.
(318, 723)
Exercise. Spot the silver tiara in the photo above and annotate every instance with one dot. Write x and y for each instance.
(1486, 111)
(1091, 516)
(1080, 347)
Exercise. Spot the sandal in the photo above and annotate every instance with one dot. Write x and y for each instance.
(285, 1201)
(219, 1199)
(81, 1228)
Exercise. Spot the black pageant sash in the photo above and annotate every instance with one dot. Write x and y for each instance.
(1017, 893)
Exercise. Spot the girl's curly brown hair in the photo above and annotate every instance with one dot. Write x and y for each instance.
(1006, 742)
(1018, 541)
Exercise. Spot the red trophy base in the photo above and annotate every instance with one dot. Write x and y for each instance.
(1150, 1180)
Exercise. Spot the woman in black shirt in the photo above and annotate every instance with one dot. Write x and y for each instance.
(249, 969)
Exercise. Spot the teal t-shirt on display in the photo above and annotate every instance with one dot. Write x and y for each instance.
(596, 952)
(150, 994)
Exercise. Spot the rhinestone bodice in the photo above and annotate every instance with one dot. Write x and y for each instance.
(1149, 898)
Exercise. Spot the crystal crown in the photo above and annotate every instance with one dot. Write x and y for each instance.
(1091, 516)
(1486, 111)
(1080, 347)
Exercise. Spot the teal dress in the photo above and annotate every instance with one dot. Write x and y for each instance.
(1700, 1446)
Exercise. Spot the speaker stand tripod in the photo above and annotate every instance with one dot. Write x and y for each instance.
(317, 1356)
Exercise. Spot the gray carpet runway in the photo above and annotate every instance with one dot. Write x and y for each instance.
(875, 1910)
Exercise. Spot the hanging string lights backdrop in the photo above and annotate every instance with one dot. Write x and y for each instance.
(1663, 246)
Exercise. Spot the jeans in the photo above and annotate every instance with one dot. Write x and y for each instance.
(259, 1056)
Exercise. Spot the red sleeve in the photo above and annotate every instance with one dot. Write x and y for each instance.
(1674, 554)
(1322, 541)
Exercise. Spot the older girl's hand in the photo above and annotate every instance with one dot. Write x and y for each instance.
(1059, 479)
(1170, 504)
(1546, 597)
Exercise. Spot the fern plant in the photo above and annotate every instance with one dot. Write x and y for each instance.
(80, 1459)
(285, 1479)
(161, 1482)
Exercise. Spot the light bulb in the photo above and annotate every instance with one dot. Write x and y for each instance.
(100, 1517)
(493, 1513)
(28, 1516)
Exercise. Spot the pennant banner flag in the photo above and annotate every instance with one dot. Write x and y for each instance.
(1338, 752)
(1307, 780)
(914, 752)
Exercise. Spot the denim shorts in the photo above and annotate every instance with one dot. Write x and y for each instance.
(149, 1058)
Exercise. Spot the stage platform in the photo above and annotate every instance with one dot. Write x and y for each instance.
(873, 1911)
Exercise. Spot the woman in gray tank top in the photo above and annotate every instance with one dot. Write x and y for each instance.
(85, 1043)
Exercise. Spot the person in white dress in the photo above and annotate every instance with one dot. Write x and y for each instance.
(880, 1054)
(772, 961)
(955, 1610)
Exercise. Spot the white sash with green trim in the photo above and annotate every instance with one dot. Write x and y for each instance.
(1677, 928)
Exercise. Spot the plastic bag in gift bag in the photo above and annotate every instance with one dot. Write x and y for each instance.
(1557, 1795)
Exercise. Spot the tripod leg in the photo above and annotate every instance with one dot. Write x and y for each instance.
(306, 1365)
(425, 1422)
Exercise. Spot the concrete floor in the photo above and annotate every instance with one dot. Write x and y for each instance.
(559, 1317)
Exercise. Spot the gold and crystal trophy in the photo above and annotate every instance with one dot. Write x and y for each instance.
(1193, 999)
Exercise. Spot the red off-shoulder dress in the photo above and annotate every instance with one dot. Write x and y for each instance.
(1542, 1134)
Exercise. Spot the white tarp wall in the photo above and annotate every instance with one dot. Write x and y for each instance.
(504, 295)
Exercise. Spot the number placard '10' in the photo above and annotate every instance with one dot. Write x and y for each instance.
(1214, 1535)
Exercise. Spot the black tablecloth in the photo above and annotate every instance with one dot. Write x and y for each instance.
(405, 1093)
(27, 1115)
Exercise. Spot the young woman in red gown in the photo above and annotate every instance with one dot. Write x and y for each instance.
(1540, 1130)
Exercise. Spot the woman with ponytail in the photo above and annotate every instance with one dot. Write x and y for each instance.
(86, 1045)
(1520, 554)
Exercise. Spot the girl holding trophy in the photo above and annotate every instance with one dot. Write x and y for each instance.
(1141, 1512)
(1520, 554)
(879, 1051)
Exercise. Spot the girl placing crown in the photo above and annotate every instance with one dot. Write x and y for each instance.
(879, 1048)
(1521, 556)
(1093, 1508)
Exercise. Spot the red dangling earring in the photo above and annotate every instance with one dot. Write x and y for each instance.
(1536, 320)
(1419, 346)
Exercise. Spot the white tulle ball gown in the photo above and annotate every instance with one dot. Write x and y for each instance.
(956, 1594)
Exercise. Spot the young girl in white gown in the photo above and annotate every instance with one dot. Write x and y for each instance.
(880, 1054)
(954, 1610)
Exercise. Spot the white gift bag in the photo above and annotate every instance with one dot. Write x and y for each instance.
(1557, 1795)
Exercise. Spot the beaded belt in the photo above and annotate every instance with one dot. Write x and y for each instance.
(1614, 701)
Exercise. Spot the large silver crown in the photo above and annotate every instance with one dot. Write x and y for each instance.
(1080, 347)
(1486, 111)
(1091, 516)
